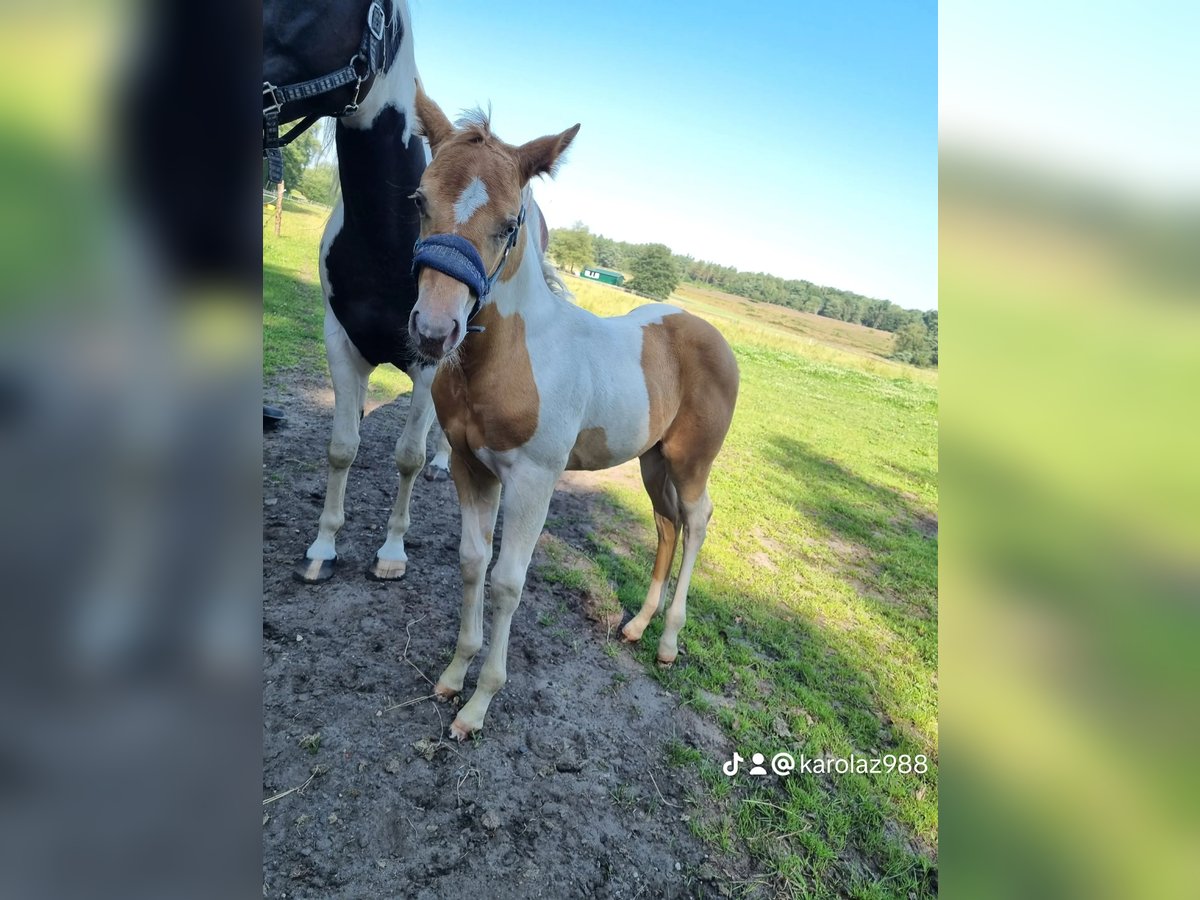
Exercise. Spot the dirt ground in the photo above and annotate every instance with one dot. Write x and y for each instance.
(567, 791)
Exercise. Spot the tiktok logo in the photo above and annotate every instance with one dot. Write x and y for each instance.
(731, 767)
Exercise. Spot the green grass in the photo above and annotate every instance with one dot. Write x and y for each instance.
(812, 624)
(813, 611)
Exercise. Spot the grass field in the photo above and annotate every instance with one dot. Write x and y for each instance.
(812, 621)
(792, 323)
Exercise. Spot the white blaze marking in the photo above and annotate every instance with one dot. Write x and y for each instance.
(474, 195)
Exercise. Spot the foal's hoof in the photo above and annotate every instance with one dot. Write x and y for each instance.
(387, 569)
(314, 571)
(444, 694)
(630, 635)
(460, 730)
(665, 662)
(436, 473)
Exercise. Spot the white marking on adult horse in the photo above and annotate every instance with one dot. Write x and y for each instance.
(547, 386)
(474, 195)
(397, 86)
(367, 283)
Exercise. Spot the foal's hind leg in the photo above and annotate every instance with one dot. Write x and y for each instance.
(349, 372)
(696, 513)
(391, 561)
(666, 519)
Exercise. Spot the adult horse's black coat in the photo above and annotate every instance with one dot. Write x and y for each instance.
(369, 262)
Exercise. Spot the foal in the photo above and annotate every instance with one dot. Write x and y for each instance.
(534, 385)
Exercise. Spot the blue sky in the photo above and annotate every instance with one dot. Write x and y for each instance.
(794, 138)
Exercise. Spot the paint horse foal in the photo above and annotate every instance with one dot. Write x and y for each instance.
(544, 386)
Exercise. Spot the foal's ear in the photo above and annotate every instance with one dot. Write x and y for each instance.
(433, 122)
(540, 156)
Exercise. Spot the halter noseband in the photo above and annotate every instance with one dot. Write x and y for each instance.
(375, 53)
(454, 255)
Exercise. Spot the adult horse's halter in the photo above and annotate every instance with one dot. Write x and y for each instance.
(454, 255)
(375, 53)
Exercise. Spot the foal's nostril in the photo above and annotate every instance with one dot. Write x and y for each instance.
(452, 338)
(412, 326)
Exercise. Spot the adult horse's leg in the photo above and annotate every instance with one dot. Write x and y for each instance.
(349, 372)
(479, 502)
(666, 522)
(439, 467)
(527, 493)
(391, 560)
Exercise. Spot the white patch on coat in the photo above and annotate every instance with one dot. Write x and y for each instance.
(473, 197)
(397, 87)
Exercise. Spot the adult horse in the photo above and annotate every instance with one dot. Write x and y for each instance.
(539, 385)
(354, 59)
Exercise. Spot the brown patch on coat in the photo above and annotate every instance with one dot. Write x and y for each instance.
(590, 450)
(489, 398)
(692, 382)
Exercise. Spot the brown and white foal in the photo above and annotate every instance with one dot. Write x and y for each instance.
(547, 386)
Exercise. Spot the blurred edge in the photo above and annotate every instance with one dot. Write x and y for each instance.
(129, 384)
(1070, 566)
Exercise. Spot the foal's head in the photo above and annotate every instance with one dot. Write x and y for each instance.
(471, 217)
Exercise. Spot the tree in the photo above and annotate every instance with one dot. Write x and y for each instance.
(912, 345)
(572, 248)
(608, 253)
(654, 272)
(320, 183)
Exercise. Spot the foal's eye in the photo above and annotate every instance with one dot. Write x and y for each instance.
(418, 200)
(506, 230)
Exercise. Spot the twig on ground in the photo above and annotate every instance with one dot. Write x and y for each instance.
(660, 793)
(409, 702)
(317, 770)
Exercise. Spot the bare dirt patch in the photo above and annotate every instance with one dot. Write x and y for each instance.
(567, 793)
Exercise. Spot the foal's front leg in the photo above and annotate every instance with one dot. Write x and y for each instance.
(527, 495)
(479, 501)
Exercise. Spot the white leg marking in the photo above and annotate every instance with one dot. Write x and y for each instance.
(695, 523)
(349, 372)
(668, 533)
(441, 456)
(480, 503)
(527, 493)
(391, 560)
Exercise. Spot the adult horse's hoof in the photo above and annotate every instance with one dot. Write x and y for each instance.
(436, 473)
(314, 571)
(460, 731)
(387, 569)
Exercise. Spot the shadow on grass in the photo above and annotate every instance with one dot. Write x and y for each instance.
(778, 681)
(886, 543)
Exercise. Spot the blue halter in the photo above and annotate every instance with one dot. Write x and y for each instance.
(454, 255)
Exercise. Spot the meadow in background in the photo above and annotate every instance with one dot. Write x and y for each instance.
(813, 613)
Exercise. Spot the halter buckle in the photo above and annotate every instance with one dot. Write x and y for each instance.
(276, 104)
(376, 20)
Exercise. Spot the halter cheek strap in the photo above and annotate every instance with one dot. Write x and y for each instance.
(454, 255)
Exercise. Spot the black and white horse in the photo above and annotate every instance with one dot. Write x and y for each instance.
(354, 59)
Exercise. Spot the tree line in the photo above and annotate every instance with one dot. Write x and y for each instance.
(656, 271)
